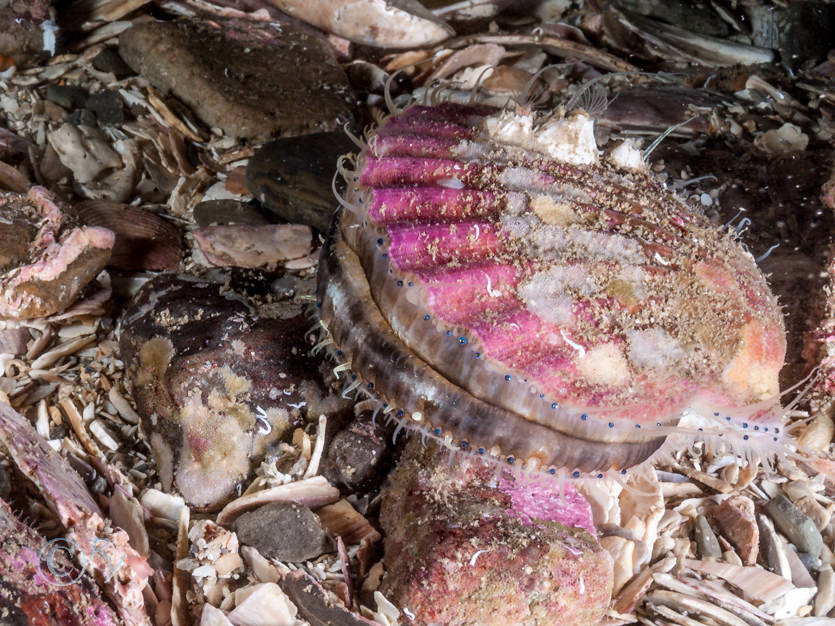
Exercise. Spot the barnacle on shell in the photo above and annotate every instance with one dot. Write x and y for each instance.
(505, 289)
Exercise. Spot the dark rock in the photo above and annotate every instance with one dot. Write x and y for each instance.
(108, 60)
(24, 38)
(217, 68)
(314, 603)
(357, 455)
(466, 544)
(795, 525)
(285, 531)
(695, 18)
(228, 212)
(219, 372)
(801, 32)
(70, 97)
(5, 483)
(292, 177)
(82, 117)
(107, 107)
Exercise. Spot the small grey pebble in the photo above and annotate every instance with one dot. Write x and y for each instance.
(810, 562)
(285, 531)
(706, 539)
(795, 525)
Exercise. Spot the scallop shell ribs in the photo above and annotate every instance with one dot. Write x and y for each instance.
(498, 284)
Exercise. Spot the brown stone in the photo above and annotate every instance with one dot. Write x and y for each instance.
(251, 79)
(737, 521)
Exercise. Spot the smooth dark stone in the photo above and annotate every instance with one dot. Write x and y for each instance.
(702, 20)
(108, 60)
(357, 454)
(795, 525)
(107, 107)
(70, 97)
(314, 604)
(800, 32)
(82, 117)
(285, 531)
(292, 177)
(5, 483)
(228, 212)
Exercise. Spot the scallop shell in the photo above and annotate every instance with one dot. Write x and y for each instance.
(143, 240)
(499, 285)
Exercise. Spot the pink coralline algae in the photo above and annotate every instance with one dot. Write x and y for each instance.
(499, 285)
(45, 260)
(463, 549)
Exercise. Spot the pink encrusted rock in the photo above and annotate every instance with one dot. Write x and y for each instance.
(45, 261)
(85, 526)
(257, 247)
(464, 546)
(736, 518)
(29, 593)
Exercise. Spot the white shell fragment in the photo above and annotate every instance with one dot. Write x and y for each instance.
(311, 492)
(264, 604)
(380, 23)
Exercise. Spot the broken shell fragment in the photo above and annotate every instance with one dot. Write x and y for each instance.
(381, 23)
(143, 240)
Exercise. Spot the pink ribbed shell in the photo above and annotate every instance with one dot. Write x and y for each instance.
(516, 305)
